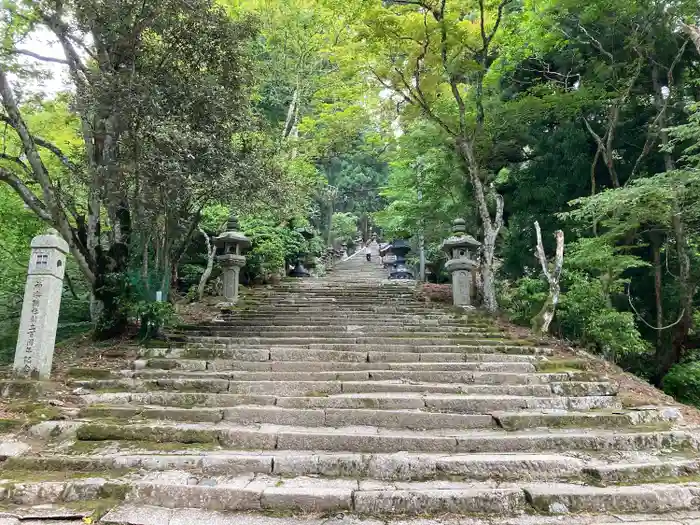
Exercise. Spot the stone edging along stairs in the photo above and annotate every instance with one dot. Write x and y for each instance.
(345, 394)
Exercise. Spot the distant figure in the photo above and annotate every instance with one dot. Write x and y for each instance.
(368, 253)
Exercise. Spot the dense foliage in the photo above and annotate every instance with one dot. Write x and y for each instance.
(317, 122)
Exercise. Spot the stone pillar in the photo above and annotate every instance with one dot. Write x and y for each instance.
(460, 249)
(42, 302)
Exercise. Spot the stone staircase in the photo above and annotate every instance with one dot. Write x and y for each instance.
(345, 395)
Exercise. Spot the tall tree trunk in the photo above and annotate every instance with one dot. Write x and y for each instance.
(211, 254)
(491, 227)
(541, 322)
(656, 257)
(683, 328)
(694, 34)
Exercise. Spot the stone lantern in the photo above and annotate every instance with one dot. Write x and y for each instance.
(232, 244)
(344, 248)
(399, 249)
(461, 251)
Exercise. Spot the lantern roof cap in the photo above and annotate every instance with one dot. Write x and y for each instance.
(459, 238)
(232, 235)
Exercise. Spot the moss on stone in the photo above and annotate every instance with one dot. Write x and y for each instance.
(7, 425)
(98, 432)
(96, 509)
(562, 365)
(21, 388)
(42, 475)
(314, 393)
(89, 373)
(162, 364)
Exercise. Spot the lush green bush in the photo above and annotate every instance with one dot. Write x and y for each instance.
(583, 315)
(683, 383)
(152, 317)
(522, 299)
(586, 315)
(274, 246)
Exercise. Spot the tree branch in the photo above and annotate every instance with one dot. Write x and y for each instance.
(37, 56)
(45, 144)
(31, 200)
(639, 316)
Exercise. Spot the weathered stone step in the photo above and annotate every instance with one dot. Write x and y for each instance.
(371, 440)
(138, 515)
(523, 420)
(328, 387)
(465, 363)
(246, 335)
(389, 329)
(656, 498)
(245, 415)
(413, 419)
(336, 353)
(180, 489)
(352, 339)
(331, 318)
(217, 370)
(330, 309)
(662, 468)
(180, 399)
(400, 466)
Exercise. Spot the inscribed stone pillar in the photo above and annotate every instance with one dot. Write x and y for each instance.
(42, 302)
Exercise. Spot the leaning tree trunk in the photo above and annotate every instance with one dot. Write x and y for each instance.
(211, 253)
(694, 34)
(491, 227)
(541, 322)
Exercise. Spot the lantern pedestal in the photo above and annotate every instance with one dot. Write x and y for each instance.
(461, 265)
(231, 265)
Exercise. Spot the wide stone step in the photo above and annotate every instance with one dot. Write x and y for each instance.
(336, 353)
(353, 339)
(135, 515)
(330, 309)
(414, 419)
(229, 321)
(218, 370)
(400, 466)
(466, 363)
(377, 440)
(245, 415)
(202, 399)
(323, 388)
(255, 492)
(388, 329)
(245, 335)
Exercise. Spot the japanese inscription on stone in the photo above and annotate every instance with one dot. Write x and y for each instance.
(31, 332)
